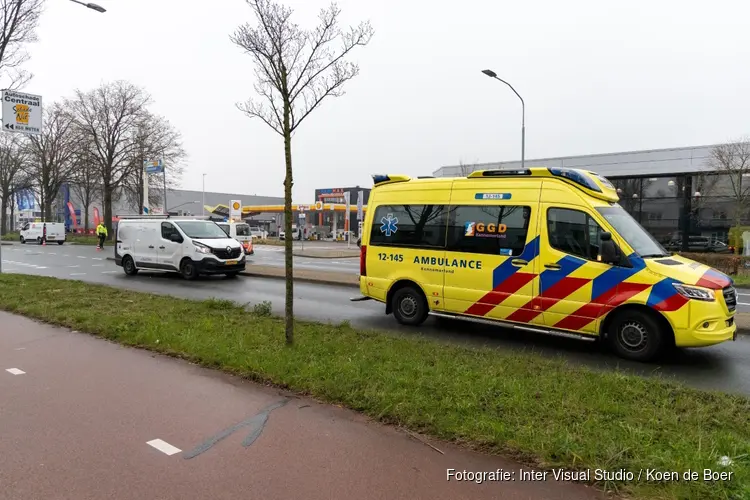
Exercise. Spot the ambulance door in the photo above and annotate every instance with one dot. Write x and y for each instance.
(492, 251)
(570, 296)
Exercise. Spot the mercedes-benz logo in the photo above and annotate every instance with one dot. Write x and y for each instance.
(229, 249)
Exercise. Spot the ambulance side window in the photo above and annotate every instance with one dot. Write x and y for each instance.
(488, 229)
(574, 232)
(409, 226)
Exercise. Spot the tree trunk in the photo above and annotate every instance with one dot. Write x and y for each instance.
(12, 212)
(288, 237)
(4, 215)
(85, 208)
(107, 209)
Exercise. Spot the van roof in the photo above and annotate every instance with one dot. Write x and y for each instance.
(591, 183)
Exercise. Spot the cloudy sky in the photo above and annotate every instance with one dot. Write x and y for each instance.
(597, 77)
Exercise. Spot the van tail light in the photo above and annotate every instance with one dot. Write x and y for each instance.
(363, 260)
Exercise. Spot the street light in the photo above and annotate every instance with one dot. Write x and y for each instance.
(204, 195)
(91, 6)
(492, 74)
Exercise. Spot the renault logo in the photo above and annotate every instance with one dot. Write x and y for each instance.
(229, 249)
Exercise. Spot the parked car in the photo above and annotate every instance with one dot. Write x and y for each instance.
(699, 244)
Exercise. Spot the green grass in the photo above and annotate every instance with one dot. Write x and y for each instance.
(742, 280)
(541, 411)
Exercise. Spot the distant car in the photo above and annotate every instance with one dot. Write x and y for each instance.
(33, 231)
(258, 233)
(700, 244)
(295, 233)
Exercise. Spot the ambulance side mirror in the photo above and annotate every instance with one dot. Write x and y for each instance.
(610, 253)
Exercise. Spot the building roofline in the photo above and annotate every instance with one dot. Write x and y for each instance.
(591, 155)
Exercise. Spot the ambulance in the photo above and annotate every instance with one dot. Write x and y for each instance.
(545, 250)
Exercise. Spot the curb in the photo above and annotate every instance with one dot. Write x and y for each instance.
(251, 274)
(306, 280)
(325, 256)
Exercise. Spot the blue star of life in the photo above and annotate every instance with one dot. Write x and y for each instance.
(389, 225)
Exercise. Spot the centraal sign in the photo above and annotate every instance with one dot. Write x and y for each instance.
(22, 112)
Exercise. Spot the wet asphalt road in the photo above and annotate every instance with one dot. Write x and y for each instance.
(86, 419)
(725, 367)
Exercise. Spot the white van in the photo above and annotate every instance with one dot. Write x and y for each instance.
(295, 233)
(240, 231)
(187, 245)
(33, 231)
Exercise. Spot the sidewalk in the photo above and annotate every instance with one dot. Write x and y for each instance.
(139, 425)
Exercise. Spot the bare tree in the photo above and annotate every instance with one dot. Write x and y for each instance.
(465, 169)
(20, 19)
(13, 158)
(295, 70)
(109, 117)
(156, 139)
(52, 155)
(733, 161)
(86, 182)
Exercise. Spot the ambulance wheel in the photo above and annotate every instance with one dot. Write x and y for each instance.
(188, 269)
(409, 306)
(129, 266)
(637, 336)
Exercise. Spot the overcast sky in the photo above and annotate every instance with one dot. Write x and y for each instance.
(596, 78)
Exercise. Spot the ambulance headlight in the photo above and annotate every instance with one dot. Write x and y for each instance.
(694, 292)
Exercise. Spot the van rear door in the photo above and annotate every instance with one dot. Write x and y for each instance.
(493, 249)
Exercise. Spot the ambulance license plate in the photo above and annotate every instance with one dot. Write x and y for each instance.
(231, 262)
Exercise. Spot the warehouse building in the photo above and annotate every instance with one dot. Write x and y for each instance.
(671, 192)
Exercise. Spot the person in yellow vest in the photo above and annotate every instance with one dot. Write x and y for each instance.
(101, 233)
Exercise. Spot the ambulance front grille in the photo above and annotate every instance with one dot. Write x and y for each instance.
(730, 298)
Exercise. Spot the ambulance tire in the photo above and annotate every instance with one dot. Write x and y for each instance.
(409, 306)
(637, 336)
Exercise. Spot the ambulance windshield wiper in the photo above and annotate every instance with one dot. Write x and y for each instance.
(654, 255)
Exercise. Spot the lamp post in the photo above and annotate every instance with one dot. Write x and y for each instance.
(492, 74)
(91, 6)
(204, 195)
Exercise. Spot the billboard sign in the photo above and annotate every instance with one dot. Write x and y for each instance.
(235, 209)
(22, 112)
(25, 200)
(153, 167)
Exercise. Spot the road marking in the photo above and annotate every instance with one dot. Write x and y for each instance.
(24, 264)
(78, 274)
(97, 265)
(66, 255)
(52, 253)
(164, 447)
(20, 349)
(110, 272)
(743, 303)
(97, 258)
(15, 371)
(73, 266)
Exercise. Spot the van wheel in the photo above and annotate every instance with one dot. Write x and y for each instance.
(23, 241)
(39, 241)
(60, 242)
(637, 336)
(188, 269)
(409, 306)
(233, 274)
(129, 266)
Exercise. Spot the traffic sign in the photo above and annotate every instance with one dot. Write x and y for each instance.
(153, 167)
(22, 112)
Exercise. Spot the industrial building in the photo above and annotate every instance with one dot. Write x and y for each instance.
(671, 192)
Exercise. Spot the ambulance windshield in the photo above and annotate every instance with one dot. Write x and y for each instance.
(633, 233)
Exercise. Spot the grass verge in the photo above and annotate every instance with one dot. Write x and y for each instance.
(541, 411)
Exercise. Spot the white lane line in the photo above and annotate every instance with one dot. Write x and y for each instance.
(15, 371)
(19, 349)
(52, 253)
(73, 266)
(164, 447)
(82, 257)
(78, 274)
(743, 303)
(110, 272)
(97, 258)
(97, 265)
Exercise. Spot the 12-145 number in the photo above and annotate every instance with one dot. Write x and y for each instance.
(395, 257)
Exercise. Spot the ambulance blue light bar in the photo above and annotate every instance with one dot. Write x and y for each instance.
(379, 179)
(575, 176)
(499, 173)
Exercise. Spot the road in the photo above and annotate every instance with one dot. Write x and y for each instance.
(268, 255)
(724, 367)
(83, 418)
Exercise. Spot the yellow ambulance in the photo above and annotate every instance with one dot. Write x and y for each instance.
(545, 250)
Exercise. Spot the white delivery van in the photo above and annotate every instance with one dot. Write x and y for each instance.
(258, 233)
(240, 231)
(33, 231)
(190, 246)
